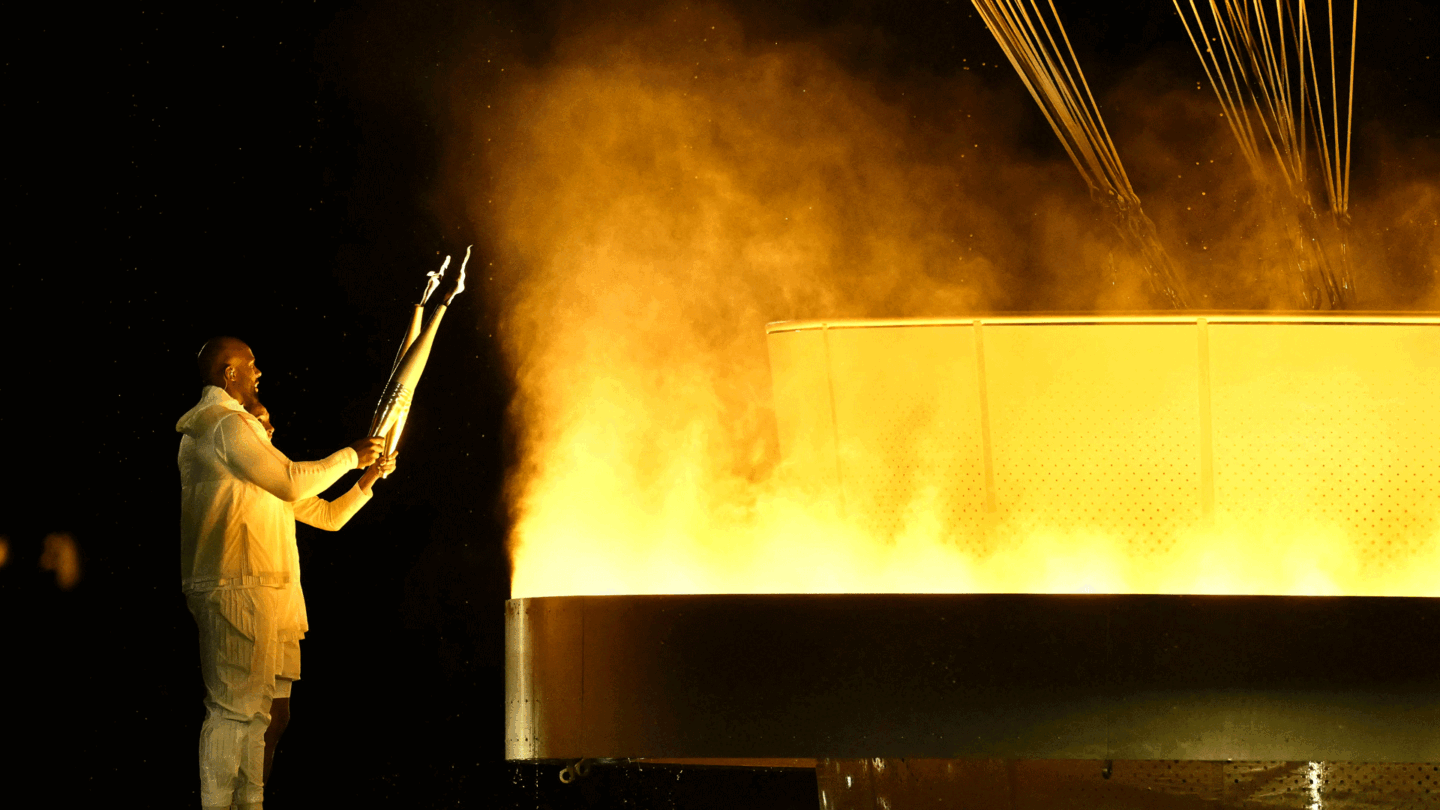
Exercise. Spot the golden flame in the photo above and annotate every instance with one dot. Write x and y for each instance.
(661, 190)
(432, 281)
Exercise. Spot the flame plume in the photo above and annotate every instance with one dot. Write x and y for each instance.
(657, 190)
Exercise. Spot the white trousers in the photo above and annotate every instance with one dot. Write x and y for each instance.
(241, 656)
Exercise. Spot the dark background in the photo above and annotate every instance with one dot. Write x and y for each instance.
(274, 171)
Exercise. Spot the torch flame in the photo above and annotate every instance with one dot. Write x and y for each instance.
(434, 281)
(460, 281)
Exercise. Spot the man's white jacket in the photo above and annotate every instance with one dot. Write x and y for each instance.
(239, 500)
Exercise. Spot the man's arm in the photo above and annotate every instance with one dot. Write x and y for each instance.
(258, 462)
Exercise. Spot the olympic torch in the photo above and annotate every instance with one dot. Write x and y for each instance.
(394, 406)
(432, 282)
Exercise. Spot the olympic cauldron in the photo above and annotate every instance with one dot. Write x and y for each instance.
(1139, 429)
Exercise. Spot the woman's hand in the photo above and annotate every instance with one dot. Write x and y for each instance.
(381, 468)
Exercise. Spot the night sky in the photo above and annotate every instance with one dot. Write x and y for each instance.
(278, 172)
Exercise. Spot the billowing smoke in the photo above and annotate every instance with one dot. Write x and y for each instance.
(661, 188)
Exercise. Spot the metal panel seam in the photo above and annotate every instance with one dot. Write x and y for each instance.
(834, 417)
(983, 393)
(1207, 450)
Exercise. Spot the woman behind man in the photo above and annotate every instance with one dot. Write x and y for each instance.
(322, 514)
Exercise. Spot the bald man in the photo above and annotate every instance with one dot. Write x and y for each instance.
(240, 576)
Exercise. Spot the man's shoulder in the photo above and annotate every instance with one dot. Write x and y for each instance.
(241, 420)
(212, 429)
(213, 407)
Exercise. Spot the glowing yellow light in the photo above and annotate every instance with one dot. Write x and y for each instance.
(641, 242)
(1031, 455)
(1314, 778)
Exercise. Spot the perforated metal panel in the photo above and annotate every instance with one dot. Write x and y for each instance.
(1303, 432)
(901, 784)
(1095, 427)
(921, 450)
(1332, 427)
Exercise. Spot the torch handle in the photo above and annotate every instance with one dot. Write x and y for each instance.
(394, 403)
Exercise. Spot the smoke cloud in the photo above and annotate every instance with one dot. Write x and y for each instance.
(662, 187)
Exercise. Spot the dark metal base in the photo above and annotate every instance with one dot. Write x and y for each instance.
(974, 676)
